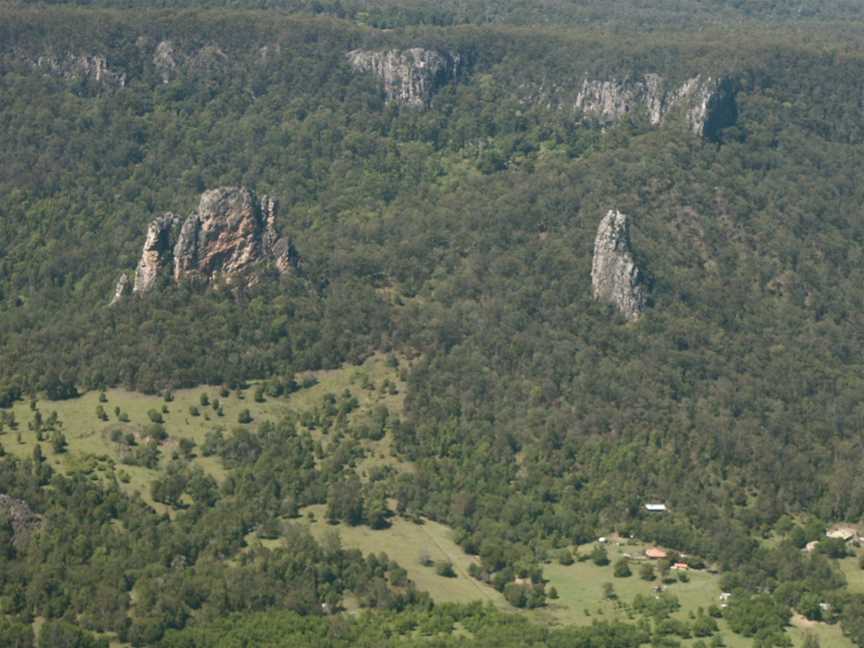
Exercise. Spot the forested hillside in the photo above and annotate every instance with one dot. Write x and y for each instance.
(456, 233)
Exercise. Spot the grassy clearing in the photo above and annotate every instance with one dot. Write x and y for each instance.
(580, 588)
(91, 450)
(403, 542)
(854, 574)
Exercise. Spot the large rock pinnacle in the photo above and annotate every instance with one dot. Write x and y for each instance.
(615, 278)
(227, 239)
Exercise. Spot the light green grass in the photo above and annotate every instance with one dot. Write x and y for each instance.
(854, 574)
(403, 542)
(91, 450)
(580, 588)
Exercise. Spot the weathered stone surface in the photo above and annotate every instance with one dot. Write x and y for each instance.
(707, 104)
(228, 235)
(165, 59)
(227, 239)
(615, 278)
(154, 256)
(24, 521)
(410, 76)
(82, 66)
(123, 288)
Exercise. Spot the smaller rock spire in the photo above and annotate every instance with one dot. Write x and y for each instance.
(615, 278)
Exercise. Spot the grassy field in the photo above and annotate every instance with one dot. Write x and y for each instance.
(854, 574)
(90, 448)
(403, 542)
(580, 585)
(581, 601)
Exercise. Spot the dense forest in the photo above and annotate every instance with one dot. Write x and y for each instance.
(458, 235)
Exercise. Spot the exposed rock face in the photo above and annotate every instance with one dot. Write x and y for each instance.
(155, 256)
(24, 521)
(229, 234)
(83, 66)
(170, 61)
(123, 288)
(410, 76)
(165, 60)
(615, 278)
(708, 104)
(227, 239)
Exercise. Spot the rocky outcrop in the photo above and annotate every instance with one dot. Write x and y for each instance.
(155, 256)
(707, 104)
(229, 234)
(122, 288)
(82, 66)
(411, 77)
(23, 520)
(615, 278)
(165, 60)
(171, 61)
(227, 239)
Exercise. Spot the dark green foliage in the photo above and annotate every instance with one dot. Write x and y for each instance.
(599, 556)
(445, 568)
(458, 237)
(15, 635)
(833, 548)
(646, 572)
(756, 616)
(622, 568)
(57, 634)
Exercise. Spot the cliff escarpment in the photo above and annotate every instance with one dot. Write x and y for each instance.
(411, 76)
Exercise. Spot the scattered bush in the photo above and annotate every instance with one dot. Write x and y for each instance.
(599, 556)
(445, 568)
(622, 568)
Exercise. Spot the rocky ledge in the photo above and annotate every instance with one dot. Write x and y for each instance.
(412, 76)
(615, 277)
(79, 67)
(707, 104)
(23, 520)
(226, 240)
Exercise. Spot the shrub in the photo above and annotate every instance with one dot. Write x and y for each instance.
(516, 595)
(245, 416)
(609, 591)
(622, 568)
(599, 556)
(565, 557)
(445, 568)
(646, 572)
